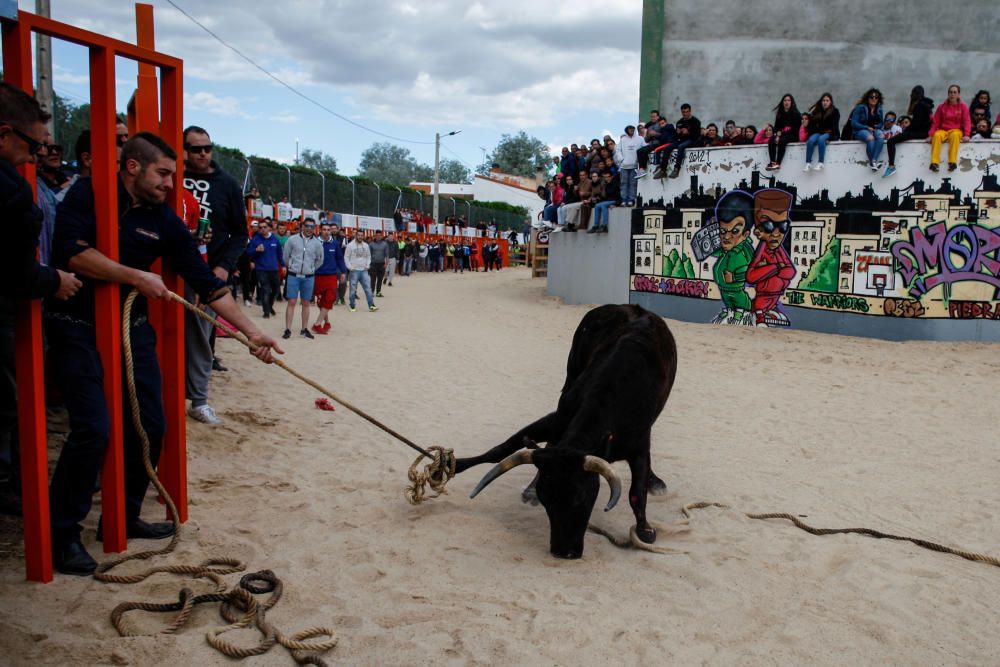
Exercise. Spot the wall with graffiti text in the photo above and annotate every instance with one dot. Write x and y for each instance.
(920, 244)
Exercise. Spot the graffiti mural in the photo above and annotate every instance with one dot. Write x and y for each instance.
(764, 248)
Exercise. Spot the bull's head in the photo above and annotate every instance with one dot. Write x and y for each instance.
(567, 488)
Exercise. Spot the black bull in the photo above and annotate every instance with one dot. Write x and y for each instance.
(618, 378)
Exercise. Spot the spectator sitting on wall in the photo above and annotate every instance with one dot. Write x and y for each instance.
(982, 102)
(824, 127)
(688, 135)
(996, 129)
(804, 128)
(651, 134)
(787, 119)
(951, 123)
(889, 126)
(920, 109)
(611, 190)
(711, 136)
(750, 135)
(765, 134)
(978, 115)
(982, 131)
(866, 125)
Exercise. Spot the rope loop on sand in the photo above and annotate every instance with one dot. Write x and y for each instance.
(238, 599)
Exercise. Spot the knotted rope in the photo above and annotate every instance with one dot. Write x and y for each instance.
(240, 597)
(435, 474)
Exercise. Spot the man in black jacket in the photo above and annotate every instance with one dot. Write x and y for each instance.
(220, 199)
(22, 277)
(147, 230)
(688, 135)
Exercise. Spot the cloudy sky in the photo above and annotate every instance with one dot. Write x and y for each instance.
(561, 71)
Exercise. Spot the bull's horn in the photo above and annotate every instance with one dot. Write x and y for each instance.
(512, 461)
(604, 469)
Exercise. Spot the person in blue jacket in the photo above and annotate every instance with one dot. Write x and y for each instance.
(866, 121)
(264, 250)
(327, 276)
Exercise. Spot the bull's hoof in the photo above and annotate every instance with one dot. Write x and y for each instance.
(647, 535)
(568, 555)
(657, 486)
(529, 496)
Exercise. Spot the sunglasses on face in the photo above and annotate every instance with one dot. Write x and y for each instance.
(206, 148)
(735, 231)
(769, 226)
(53, 149)
(34, 146)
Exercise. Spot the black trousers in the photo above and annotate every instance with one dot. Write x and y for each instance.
(377, 274)
(267, 289)
(80, 376)
(905, 135)
(776, 145)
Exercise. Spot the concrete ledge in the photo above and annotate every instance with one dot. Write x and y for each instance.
(592, 268)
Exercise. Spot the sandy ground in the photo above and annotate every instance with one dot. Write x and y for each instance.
(847, 432)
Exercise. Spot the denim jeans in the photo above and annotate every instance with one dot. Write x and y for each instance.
(816, 142)
(561, 215)
(601, 211)
(80, 375)
(267, 288)
(873, 144)
(630, 184)
(360, 275)
(549, 213)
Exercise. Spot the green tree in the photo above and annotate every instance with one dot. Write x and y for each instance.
(453, 171)
(68, 121)
(822, 276)
(520, 154)
(387, 163)
(316, 159)
(670, 262)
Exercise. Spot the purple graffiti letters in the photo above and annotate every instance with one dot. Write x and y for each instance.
(692, 288)
(940, 256)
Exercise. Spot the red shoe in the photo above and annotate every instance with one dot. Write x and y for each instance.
(324, 404)
(326, 328)
(318, 328)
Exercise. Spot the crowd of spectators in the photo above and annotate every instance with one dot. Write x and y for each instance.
(592, 178)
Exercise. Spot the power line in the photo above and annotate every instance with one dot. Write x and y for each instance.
(459, 157)
(289, 87)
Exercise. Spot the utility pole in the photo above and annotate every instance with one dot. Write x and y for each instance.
(437, 170)
(43, 59)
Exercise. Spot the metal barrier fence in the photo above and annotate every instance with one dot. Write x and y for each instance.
(361, 197)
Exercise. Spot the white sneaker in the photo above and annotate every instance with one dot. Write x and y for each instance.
(246, 302)
(808, 168)
(819, 166)
(204, 413)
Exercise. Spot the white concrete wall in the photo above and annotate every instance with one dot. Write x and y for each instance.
(487, 190)
(591, 268)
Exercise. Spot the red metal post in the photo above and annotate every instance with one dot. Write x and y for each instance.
(29, 364)
(107, 309)
(173, 461)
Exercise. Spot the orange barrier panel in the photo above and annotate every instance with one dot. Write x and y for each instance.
(30, 379)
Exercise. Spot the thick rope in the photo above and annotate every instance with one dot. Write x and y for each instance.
(933, 546)
(435, 474)
(240, 597)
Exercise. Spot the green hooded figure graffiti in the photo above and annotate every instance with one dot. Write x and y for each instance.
(734, 215)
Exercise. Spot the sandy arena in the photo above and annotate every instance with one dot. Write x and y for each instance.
(846, 432)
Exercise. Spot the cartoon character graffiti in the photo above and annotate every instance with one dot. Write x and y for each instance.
(734, 215)
(771, 268)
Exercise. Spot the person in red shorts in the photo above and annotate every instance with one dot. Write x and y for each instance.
(325, 292)
(771, 268)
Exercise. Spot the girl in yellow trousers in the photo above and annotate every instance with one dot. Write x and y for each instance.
(952, 124)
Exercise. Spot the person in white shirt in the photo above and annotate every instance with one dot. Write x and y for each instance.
(358, 258)
(627, 160)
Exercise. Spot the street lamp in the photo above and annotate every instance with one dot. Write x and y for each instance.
(378, 200)
(468, 205)
(289, 184)
(400, 200)
(323, 191)
(352, 193)
(454, 207)
(437, 168)
(421, 195)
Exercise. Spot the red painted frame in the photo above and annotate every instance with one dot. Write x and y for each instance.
(31, 389)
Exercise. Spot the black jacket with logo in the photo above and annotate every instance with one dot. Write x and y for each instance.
(221, 200)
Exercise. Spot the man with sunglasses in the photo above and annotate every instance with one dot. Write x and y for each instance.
(304, 254)
(220, 200)
(22, 136)
(771, 268)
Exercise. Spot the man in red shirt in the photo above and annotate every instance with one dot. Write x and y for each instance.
(771, 268)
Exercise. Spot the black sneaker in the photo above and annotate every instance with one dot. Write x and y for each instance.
(73, 559)
(142, 530)
(287, 334)
(217, 365)
(305, 333)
